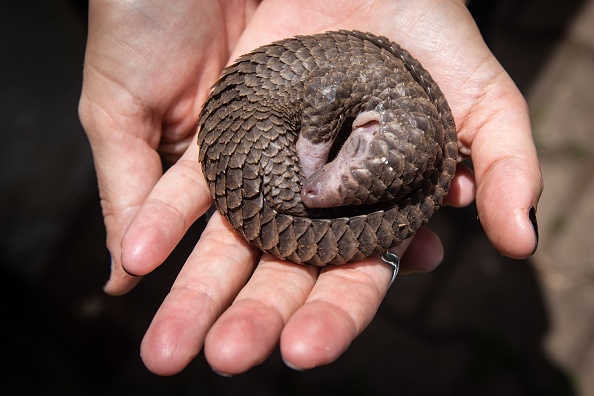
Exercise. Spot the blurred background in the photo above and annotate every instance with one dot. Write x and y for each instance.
(481, 324)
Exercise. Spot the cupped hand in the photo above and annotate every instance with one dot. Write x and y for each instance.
(228, 300)
(149, 66)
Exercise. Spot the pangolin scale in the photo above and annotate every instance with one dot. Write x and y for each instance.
(302, 92)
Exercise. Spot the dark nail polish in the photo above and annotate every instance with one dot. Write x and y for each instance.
(532, 217)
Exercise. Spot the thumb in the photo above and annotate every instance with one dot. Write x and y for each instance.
(509, 182)
(127, 168)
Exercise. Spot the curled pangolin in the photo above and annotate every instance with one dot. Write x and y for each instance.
(328, 148)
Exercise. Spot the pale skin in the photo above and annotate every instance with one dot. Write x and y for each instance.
(148, 70)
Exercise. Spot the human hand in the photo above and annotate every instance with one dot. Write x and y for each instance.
(303, 307)
(149, 66)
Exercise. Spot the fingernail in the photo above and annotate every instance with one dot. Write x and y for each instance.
(111, 266)
(532, 217)
(226, 375)
(289, 365)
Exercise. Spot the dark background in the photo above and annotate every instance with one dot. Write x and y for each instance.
(473, 327)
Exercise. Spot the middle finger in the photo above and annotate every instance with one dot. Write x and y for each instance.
(246, 334)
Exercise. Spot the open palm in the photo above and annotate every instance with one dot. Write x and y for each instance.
(149, 68)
